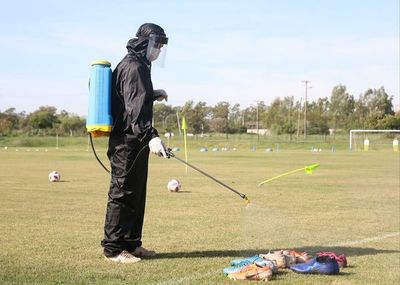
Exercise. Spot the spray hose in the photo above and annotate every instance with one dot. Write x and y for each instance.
(106, 169)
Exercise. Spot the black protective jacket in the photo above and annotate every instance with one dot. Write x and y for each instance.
(132, 93)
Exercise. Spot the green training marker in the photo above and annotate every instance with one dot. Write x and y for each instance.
(309, 169)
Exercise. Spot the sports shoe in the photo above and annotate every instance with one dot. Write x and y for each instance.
(261, 262)
(341, 259)
(278, 257)
(123, 257)
(317, 265)
(289, 259)
(250, 260)
(300, 257)
(252, 272)
(143, 252)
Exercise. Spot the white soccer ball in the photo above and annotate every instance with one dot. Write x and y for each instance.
(174, 185)
(54, 176)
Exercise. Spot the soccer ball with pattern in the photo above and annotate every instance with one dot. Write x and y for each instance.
(174, 185)
(54, 176)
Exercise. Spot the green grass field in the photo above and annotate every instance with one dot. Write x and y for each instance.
(51, 232)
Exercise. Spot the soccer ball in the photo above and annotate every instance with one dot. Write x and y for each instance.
(54, 176)
(174, 185)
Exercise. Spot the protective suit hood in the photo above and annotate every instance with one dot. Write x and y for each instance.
(139, 45)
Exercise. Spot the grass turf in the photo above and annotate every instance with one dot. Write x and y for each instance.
(51, 232)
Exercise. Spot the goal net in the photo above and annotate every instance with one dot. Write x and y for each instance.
(374, 140)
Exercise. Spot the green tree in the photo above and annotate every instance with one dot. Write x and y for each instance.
(196, 116)
(361, 112)
(70, 124)
(162, 115)
(9, 121)
(289, 125)
(235, 120)
(279, 116)
(43, 119)
(379, 104)
(389, 122)
(220, 117)
(254, 116)
(341, 108)
(318, 117)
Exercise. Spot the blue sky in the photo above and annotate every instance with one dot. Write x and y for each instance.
(236, 51)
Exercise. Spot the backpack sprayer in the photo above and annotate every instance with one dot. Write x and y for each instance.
(99, 122)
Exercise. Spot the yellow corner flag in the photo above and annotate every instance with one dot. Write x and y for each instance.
(184, 125)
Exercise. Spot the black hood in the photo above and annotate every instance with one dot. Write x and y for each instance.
(138, 45)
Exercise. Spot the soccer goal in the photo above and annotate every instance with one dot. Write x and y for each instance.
(362, 139)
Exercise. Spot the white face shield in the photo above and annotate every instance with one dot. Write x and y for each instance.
(157, 49)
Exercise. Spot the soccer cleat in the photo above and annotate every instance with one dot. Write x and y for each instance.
(142, 252)
(252, 272)
(300, 257)
(276, 256)
(267, 262)
(317, 265)
(289, 259)
(261, 262)
(341, 259)
(123, 257)
(250, 260)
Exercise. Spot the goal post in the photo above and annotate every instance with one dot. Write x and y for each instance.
(352, 132)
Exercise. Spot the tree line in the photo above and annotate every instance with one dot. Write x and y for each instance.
(342, 111)
(44, 121)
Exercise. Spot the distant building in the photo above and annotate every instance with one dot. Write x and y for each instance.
(264, 132)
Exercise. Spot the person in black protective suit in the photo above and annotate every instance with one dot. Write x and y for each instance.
(132, 110)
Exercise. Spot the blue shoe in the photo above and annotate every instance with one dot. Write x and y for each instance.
(249, 259)
(317, 265)
(261, 262)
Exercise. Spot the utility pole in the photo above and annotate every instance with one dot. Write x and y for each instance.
(258, 127)
(179, 125)
(298, 118)
(305, 108)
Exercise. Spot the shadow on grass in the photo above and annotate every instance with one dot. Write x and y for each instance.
(348, 251)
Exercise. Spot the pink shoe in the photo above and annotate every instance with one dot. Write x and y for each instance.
(341, 259)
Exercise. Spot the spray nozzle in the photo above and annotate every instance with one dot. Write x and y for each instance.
(246, 200)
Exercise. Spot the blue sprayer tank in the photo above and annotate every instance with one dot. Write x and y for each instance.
(99, 120)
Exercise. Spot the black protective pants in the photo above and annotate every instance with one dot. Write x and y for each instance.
(127, 195)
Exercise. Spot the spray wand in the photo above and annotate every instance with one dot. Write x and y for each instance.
(243, 196)
(169, 154)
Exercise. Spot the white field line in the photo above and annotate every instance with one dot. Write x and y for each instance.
(395, 234)
(346, 243)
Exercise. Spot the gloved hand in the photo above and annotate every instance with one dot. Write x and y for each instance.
(157, 147)
(159, 95)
